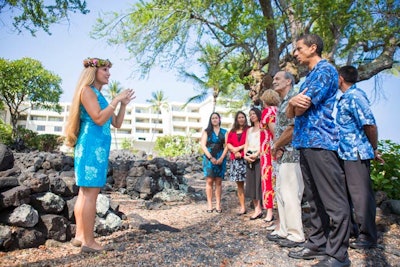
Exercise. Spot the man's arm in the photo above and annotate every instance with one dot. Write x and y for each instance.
(372, 134)
(285, 138)
(298, 105)
(371, 131)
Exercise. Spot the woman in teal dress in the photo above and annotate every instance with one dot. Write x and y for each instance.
(88, 131)
(92, 148)
(213, 144)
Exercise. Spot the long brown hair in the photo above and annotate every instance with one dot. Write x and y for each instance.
(236, 125)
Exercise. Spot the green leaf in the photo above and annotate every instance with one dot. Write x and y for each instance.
(25, 82)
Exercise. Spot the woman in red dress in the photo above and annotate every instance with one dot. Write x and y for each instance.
(237, 164)
(270, 100)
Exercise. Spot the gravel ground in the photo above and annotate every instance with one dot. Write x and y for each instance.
(185, 235)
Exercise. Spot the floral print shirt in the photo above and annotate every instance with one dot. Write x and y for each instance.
(316, 128)
(353, 112)
(291, 155)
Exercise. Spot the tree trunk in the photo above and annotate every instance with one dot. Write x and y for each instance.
(14, 122)
(273, 51)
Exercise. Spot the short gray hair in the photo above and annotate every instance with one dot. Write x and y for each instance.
(289, 76)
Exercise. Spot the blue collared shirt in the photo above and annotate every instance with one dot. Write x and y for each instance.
(353, 112)
(316, 128)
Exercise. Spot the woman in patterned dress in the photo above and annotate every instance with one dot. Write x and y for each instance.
(270, 100)
(213, 144)
(237, 167)
(88, 131)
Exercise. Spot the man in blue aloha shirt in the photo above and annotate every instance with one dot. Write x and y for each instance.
(358, 142)
(316, 136)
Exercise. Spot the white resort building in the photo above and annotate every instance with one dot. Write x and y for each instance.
(141, 125)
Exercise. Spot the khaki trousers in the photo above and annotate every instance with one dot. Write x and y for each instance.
(289, 193)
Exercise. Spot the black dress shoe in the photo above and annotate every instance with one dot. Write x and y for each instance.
(259, 216)
(307, 254)
(332, 262)
(362, 244)
(270, 220)
(289, 243)
(274, 238)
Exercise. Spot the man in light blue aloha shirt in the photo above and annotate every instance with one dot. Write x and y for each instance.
(358, 142)
(316, 136)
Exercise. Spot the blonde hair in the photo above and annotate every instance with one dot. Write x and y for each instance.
(270, 97)
(86, 78)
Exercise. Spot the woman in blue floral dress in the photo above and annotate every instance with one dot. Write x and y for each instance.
(88, 131)
(213, 144)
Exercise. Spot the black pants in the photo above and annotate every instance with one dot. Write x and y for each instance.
(361, 197)
(325, 191)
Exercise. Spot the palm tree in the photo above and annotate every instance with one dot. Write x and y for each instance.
(158, 102)
(217, 76)
(113, 89)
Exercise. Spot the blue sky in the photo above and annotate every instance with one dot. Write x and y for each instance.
(70, 43)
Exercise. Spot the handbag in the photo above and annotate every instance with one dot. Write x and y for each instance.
(251, 165)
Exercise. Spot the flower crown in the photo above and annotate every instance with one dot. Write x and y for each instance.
(96, 62)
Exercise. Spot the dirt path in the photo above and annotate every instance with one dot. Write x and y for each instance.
(185, 235)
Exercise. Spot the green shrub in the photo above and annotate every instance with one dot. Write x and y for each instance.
(48, 142)
(31, 139)
(41, 142)
(386, 177)
(175, 145)
(5, 133)
(127, 144)
(28, 137)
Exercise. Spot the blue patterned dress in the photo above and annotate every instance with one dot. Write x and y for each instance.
(92, 148)
(215, 145)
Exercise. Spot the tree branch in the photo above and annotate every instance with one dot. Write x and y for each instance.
(382, 62)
